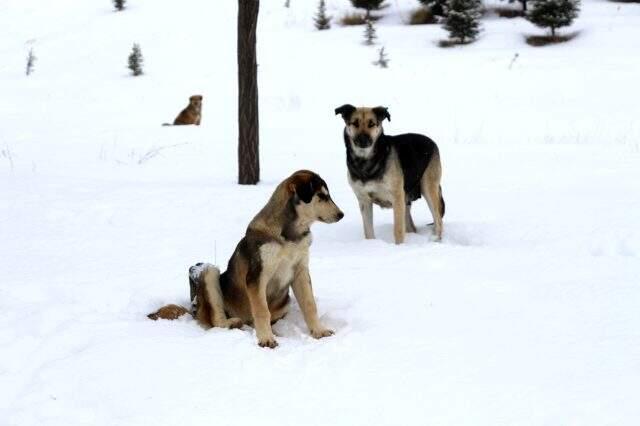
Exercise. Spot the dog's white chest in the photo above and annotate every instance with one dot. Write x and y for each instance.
(281, 260)
(379, 192)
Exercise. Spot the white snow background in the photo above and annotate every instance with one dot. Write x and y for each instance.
(527, 313)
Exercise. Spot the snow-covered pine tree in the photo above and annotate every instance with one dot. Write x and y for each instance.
(367, 5)
(553, 14)
(462, 19)
(136, 60)
(321, 20)
(383, 60)
(369, 33)
(119, 4)
(31, 59)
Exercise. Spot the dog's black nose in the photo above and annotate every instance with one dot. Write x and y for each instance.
(340, 215)
(363, 140)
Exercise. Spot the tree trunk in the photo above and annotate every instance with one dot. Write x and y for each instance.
(248, 154)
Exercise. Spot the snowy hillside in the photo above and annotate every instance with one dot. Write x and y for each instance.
(525, 314)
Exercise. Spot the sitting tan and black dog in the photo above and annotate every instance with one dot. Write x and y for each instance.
(272, 257)
(192, 114)
(390, 171)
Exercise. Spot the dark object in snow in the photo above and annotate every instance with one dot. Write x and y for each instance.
(135, 60)
(367, 5)
(119, 4)
(195, 281)
(513, 60)
(422, 16)
(370, 34)
(383, 60)
(462, 20)
(321, 20)
(31, 59)
(553, 14)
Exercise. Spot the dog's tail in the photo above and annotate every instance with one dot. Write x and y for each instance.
(169, 312)
(441, 202)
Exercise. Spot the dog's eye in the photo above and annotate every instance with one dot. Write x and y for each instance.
(371, 124)
(355, 123)
(323, 197)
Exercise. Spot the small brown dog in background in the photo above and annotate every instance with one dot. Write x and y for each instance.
(191, 114)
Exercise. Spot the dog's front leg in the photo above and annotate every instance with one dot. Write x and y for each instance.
(366, 210)
(257, 293)
(399, 209)
(304, 295)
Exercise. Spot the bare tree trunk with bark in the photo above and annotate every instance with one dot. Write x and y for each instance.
(248, 153)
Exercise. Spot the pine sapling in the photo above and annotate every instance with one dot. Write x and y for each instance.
(119, 4)
(31, 59)
(383, 60)
(369, 33)
(321, 20)
(136, 60)
(367, 5)
(462, 20)
(553, 14)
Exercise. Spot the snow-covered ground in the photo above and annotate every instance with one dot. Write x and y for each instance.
(525, 314)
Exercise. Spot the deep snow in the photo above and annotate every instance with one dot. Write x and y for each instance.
(526, 313)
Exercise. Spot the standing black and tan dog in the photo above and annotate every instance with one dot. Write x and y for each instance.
(390, 171)
(272, 257)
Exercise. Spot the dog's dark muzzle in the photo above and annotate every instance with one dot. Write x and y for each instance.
(362, 141)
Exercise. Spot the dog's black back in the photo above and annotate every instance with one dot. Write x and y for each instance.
(414, 152)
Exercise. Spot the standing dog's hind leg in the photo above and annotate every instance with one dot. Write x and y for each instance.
(431, 193)
(408, 220)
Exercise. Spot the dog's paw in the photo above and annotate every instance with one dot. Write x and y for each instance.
(268, 342)
(234, 323)
(322, 332)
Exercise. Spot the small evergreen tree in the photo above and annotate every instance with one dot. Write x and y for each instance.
(321, 20)
(31, 59)
(367, 5)
(553, 14)
(136, 60)
(462, 19)
(383, 60)
(369, 33)
(119, 4)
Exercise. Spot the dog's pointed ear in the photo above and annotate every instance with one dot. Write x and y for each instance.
(382, 113)
(345, 111)
(303, 189)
